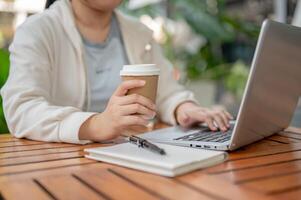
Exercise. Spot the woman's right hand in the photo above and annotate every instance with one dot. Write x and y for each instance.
(121, 112)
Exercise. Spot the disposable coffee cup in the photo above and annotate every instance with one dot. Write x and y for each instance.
(150, 74)
(147, 72)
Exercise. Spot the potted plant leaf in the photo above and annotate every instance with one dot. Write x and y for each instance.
(4, 70)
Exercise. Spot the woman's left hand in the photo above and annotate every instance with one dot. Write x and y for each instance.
(188, 114)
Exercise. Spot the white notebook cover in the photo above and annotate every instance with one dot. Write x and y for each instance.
(178, 160)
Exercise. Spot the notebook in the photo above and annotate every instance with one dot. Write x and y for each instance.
(178, 160)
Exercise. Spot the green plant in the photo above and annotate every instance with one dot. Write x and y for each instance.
(4, 69)
(229, 39)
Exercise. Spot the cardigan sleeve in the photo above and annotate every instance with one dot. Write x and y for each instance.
(170, 92)
(26, 94)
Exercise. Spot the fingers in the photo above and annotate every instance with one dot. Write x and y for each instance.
(127, 85)
(220, 122)
(228, 115)
(225, 119)
(203, 116)
(135, 98)
(134, 120)
(225, 116)
(209, 122)
(213, 119)
(138, 109)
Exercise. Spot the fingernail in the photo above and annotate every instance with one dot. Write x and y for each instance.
(142, 82)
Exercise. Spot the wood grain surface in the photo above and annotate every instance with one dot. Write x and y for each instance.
(269, 169)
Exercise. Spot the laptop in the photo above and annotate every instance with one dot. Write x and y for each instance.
(269, 101)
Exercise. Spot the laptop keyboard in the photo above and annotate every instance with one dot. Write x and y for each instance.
(208, 136)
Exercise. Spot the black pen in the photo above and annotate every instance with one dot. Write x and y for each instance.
(146, 144)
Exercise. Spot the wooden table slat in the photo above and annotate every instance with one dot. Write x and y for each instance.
(102, 180)
(253, 174)
(34, 147)
(166, 187)
(255, 148)
(41, 158)
(255, 162)
(6, 136)
(291, 135)
(250, 152)
(221, 187)
(284, 139)
(38, 152)
(289, 195)
(17, 169)
(59, 187)
(276, 184)
(26, 189)
(19, 143)
(51, 171)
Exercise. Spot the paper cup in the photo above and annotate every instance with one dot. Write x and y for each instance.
(147, 72)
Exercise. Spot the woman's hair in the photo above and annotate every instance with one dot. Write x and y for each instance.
(49, 3)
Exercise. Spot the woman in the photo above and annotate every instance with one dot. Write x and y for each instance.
(64, 83)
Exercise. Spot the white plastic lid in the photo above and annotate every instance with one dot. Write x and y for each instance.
(140, 70)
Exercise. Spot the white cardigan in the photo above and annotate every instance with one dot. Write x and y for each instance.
(44, 96)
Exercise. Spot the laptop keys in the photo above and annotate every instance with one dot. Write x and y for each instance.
(206, 136)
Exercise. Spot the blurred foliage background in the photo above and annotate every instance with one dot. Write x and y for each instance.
(4, 67)
(226, 42)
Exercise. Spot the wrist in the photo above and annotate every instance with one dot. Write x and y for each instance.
(89, 128)
(183, 106)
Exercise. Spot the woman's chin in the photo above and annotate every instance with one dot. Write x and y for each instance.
(104, 5)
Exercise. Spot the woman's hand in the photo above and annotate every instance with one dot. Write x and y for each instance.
(188, 114)
(121, 112)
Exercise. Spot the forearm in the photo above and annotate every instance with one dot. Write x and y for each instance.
(95, 128)
(87, 129)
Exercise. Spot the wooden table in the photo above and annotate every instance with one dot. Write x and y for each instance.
(269, 169)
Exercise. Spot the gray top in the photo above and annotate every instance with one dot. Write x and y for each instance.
(104, 62)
